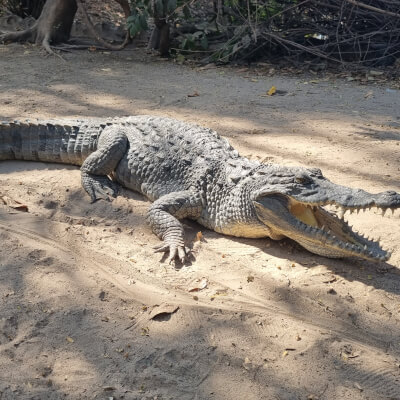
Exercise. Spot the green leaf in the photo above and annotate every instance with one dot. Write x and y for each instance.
(198, 34)
(184, 44)
(186, 12)
(133, 30)
(204, 42)
(143, 22)
(131, 19)
(188, 43)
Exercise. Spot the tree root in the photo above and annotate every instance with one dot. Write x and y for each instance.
(21, 36)
(69, 47)
(47, 47)
(30, 35)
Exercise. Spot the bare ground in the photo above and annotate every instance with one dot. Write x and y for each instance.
(257, 319)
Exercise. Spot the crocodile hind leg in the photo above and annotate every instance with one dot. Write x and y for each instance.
(111, 147)
(163, 217)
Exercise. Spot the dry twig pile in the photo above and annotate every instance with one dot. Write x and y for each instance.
(348, 32)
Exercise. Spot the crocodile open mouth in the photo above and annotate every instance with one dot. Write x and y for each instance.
(318, 229)
(335, 231)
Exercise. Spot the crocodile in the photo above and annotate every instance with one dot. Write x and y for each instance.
(189, 171)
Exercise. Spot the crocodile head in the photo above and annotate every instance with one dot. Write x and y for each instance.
(293, 202)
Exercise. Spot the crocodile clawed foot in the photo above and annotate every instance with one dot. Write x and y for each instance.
(175, 251)
(99, 187)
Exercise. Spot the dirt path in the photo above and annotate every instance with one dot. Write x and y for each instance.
(79, 283)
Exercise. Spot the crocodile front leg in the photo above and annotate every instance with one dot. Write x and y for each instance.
(111, 147)
(163, 217)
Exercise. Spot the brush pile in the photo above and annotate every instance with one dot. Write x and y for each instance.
(347, 32)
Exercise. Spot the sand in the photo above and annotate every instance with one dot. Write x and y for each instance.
(89, 311)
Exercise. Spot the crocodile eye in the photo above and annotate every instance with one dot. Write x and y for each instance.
(302, 179)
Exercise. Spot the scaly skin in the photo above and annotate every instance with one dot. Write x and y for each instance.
(190, 172)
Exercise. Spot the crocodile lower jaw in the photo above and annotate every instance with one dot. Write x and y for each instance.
(338, 238)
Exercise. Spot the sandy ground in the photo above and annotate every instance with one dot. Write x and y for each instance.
(88, 311)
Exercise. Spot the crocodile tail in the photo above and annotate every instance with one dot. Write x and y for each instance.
(47, 142)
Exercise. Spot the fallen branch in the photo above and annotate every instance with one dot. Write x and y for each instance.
(372, 8)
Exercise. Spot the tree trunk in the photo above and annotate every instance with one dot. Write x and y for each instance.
(55, 23)
(159, 39)
(53, 26)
